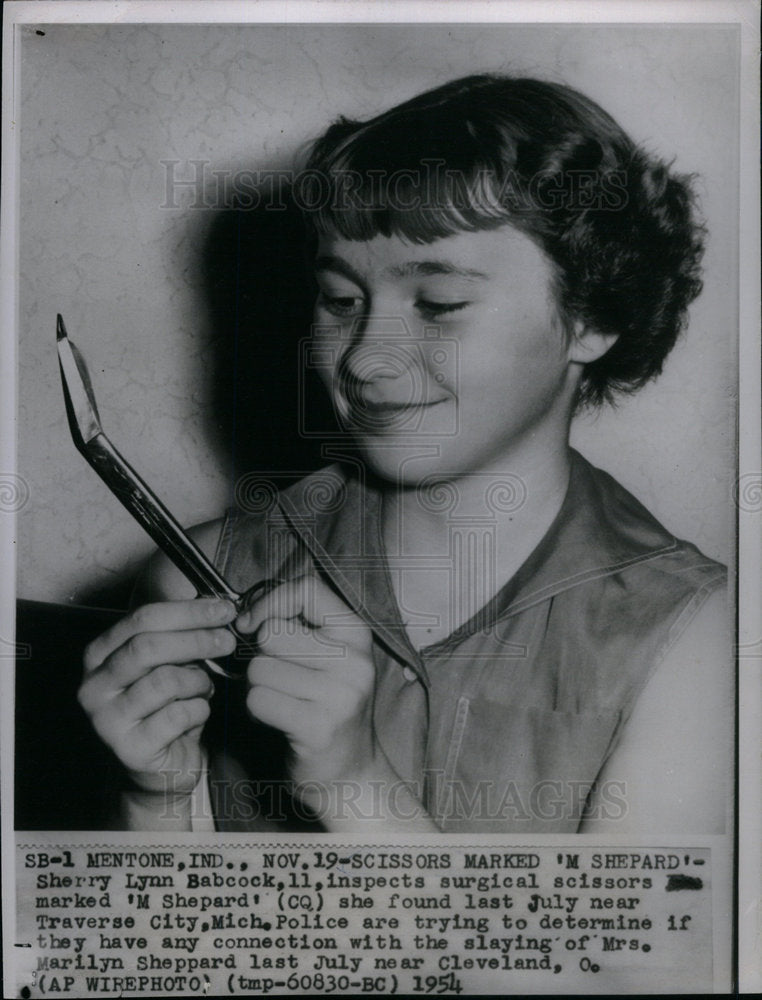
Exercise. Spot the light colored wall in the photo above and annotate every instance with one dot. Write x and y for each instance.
(101, 106)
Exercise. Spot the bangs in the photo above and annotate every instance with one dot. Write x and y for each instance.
(416, 176)
(471, 155)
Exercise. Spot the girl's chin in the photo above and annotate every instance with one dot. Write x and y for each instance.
(406, 463)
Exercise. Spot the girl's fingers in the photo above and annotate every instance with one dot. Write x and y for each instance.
(306, 597)
(283, 711)
(142, 653)
(295, 641)
(159, 730)
(292, 679)
(167, 616)
(147, 650)
(161, 686)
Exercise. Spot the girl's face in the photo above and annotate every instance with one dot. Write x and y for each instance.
(446, 358)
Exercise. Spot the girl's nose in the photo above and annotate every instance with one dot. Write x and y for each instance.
(380, 348)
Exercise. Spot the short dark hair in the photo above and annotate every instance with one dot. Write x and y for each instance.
(619, 226)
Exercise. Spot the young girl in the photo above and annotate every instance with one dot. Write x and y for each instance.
(468, 627)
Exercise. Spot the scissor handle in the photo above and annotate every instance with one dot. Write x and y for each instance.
(234, 666)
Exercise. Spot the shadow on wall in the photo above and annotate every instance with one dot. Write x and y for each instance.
(258, 282)
(268, 411)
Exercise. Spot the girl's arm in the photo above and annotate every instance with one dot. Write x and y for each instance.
(673, 766)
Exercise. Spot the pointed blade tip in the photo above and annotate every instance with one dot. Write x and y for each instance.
(60, 328)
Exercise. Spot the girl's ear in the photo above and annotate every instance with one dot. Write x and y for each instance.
(588, 345)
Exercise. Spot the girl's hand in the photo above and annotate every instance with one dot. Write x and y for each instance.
(313, 679)
(146, 694)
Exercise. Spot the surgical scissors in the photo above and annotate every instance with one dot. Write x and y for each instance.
(142, 502)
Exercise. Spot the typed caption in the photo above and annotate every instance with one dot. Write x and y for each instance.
(244, 918)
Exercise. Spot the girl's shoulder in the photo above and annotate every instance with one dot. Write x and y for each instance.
(161, 580)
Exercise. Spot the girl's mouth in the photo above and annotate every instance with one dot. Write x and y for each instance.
(392, 406)
(385, 415)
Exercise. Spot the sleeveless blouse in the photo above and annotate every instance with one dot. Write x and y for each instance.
(505, 725)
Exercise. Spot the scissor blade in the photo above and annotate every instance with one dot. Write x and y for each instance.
(78, 391)
(141, 501)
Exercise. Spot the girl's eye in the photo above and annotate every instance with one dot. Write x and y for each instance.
(433, 309)
(341, 305)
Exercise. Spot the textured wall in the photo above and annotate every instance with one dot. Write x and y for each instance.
(102, 106)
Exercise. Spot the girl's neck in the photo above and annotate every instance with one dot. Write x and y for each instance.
(452, 546)
(522, 498)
